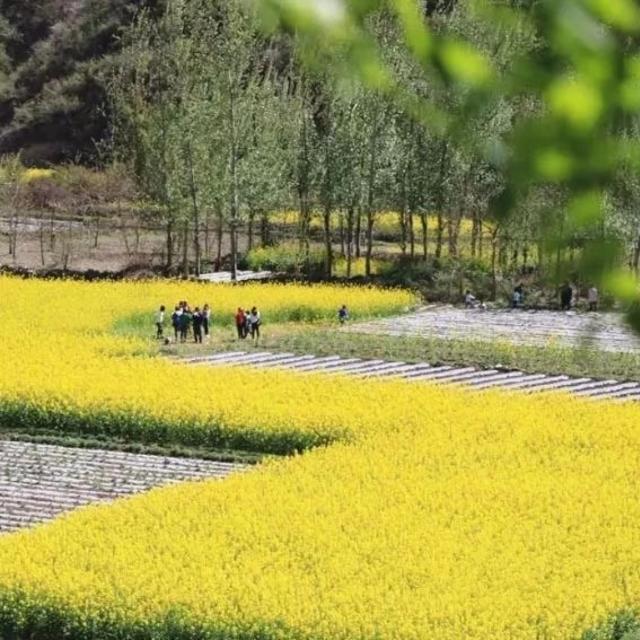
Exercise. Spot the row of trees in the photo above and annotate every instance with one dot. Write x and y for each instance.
(225, 123)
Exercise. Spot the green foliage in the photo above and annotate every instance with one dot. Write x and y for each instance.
(285, 258)
(623, 625)
(577, 74)
(55, 59)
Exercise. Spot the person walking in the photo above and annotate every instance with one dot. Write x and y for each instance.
(566, 296)
(240, 323)
(593, 297)
(255, 321)
(198, 321)
(185, 323)
(160, 323)
(176, 321)
(343, 314)
(206, 320)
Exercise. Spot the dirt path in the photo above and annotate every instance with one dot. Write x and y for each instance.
(604, 331)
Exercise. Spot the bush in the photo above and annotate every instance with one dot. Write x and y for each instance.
(286, 258)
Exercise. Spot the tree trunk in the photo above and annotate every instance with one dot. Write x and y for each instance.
(170, 243)
(197, 253)
(350, 212)
(424, 222)
(219, 234)
(303, 193)
(494, 275)
(265, 234)
(97, 232)
(185, 250)
(207, 237)
(371, 178)
(42, 260)
(328, 249)
(475, 232)
(402, 219)
(252, 215)
(636, 255)
(440, 198)
(358, 230)
(235, 195)
(370, 222)
(412, 236)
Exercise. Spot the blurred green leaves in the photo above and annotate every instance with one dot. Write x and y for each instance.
(574, 63)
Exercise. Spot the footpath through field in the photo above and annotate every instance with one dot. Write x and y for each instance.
(424, 372)
(38, 482)
(604, 331)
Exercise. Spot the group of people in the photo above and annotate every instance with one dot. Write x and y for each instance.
(197, 322)
(248, 323)
(567, 298)
(184, 321)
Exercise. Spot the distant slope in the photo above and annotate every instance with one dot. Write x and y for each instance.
(57, 54)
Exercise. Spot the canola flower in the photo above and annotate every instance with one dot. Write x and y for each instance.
(433, 513)
(64, 368)
(452, 515)
(386, 222)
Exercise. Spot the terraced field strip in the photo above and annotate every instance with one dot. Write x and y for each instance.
(603, 331)
(38, 482)
(469, 376)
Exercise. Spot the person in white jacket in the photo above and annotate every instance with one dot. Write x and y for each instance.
(255, 320)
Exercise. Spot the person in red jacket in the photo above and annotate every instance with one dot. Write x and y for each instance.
(241, 324)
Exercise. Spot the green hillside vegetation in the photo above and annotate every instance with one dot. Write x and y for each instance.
(55, 59)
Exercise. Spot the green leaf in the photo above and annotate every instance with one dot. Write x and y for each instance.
(621, 14)
(464, 64)
(576, 101)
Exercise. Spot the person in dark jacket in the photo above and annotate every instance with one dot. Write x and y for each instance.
(566, 296)
(185, 323)
(175, 321)
(198, 321)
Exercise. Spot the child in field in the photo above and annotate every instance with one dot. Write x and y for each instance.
(343, 314)
(160, 323)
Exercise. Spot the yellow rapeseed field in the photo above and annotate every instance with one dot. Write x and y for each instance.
(435, 513)
(64, 369)
(453, 516)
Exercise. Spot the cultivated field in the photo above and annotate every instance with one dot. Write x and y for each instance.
(408, 510)
(39, 482)
(599, 331)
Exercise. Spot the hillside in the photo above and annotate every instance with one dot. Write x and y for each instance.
(54, 58)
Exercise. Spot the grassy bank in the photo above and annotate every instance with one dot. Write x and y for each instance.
(324, 340)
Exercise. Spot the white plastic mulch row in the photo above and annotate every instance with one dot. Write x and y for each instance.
(38, 482)
(603, 331)
(469, 376)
